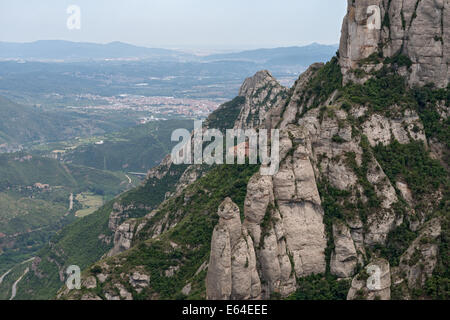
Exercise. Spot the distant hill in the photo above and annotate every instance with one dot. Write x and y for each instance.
(25, 124)
(73, 51)
(22, 169)
(136, 149)
(48, 50)
(282, 56)
(20, 123)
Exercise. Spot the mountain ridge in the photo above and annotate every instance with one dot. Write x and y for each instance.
(361, 185)
(67, 50)
(61, 49)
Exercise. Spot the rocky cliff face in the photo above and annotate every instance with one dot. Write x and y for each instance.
(262, 93)
(367, 288)
(232, 272)
(418, 29)
(324, 148)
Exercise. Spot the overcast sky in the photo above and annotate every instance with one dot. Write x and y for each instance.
(185, 24)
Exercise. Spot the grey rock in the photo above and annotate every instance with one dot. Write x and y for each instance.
(420, 32)
(90, 283)
(371, 289)
(232, 272)
(139, 280)
(262, 93)
(186, 289)
(344, 257)
(123, 237)
(419, 261)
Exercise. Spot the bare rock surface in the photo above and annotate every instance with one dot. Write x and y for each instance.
(232, 270)
(418, 29)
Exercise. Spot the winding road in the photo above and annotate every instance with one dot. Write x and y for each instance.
(71, 202)
(14, 287)
(129, 179)
(4, 275)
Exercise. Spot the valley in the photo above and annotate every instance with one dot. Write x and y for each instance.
(357, 207)
(76, 134)
(54, 184)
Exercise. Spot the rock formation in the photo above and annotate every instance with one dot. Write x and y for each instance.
(232, 270)
(374, 285)
(418, 29)
(344, 258)
(262, 93)
(335, 205)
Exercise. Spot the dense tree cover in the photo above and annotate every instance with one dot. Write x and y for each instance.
(25, 125)
(399, 60)
(397, 243)
(80, 241)
(333, 210)
(154, 190)
(438, 286)
(411, 163)
(20, 214)
(22, 169)
(224, 117)
(133, 150)
(10, 278)
(327, 80)
(34, 215)
(436, 127)
(379, 92)
(77, 244)
(320, 287)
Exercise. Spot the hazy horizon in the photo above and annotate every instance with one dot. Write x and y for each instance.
(193, 49)
(177, 24)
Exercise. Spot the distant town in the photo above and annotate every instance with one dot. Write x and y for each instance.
(155, 106)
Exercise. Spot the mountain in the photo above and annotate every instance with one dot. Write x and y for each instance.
(362, 192)
(60, 81)
(415, 30)
(302, 56)
(78, 51)
(75, 51)
(137, 149)
(21, 123)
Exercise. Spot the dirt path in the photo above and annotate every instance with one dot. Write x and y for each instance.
(71, 202)
(14, 287)
(4, 275)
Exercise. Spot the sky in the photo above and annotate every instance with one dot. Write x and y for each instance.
(181, 24)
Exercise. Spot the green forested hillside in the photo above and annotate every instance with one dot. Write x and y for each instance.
(25, 124)
(21, 169)
(197, 220)
(22, 124)
(136, 149)
(184, 246)
(35, 200)
(31, 216)
(81, 243)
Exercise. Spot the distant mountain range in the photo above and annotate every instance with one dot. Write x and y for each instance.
(282, 56)
(66, 50)
(52, 50)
